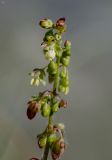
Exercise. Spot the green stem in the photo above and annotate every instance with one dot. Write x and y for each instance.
(46, 151)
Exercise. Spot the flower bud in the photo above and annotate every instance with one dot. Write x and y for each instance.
(65, 61)
(32, 109)
(42, 140)
(60, 22)
(52, 67)
(55, 107)
(57, 36)
(46, 23)
(67, 44)
(50, 38)
(46, 110)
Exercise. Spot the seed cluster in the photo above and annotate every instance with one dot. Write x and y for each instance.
(49, 102)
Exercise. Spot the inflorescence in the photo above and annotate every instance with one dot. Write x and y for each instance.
(49, 102)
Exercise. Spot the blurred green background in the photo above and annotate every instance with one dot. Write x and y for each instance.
(88, 118)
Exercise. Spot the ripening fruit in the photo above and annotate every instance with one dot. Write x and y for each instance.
(42, 141)
(63, 103)
(45, 110)
(33, 108)
(60, 22)
(46, 23)
(57, 149)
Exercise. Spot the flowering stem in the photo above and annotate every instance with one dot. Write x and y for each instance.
(50, 101)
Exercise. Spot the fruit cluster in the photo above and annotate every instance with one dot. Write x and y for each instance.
(50, 101)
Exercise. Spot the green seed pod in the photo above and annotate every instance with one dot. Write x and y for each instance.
(46, 23)
(61, 88)
(46, 110)
(65, 60)
(64, 82)
(42, 141)
(52, 67)
(51, 139)
(63, 74)
(60, 22)
(66, 52)
(55, 107)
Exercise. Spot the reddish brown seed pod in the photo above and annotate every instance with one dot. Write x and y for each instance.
(63, 103)
(60, 22)
(34, 158)
(57, 149)
(33, 108)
